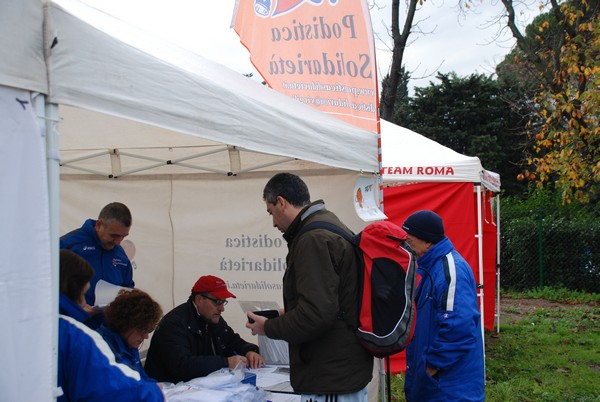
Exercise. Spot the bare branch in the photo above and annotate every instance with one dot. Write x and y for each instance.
(400, 40)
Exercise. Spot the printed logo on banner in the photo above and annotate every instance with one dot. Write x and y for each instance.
(262, 8)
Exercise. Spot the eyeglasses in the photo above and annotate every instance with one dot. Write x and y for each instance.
(217, 302)
(147, 330)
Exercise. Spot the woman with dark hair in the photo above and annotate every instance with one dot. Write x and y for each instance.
(86, 367)
(128, 320)
(75, 276)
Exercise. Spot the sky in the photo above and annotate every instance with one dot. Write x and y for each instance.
(446, 42)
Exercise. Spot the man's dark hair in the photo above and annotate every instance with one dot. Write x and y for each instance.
(288, 186)
(75, 272)
(116, 211)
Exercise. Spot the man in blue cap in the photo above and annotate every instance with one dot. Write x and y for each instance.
(445, 360)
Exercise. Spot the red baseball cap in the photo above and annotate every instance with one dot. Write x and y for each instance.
(212, 284)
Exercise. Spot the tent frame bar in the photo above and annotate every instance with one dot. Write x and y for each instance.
(279, 162)
(116, 155)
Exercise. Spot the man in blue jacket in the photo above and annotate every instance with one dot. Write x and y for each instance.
(98, 242)
(444, 361)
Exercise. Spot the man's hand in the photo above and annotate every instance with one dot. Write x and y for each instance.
(255, 360)
(258, 326)
(431, 371)
(233, 361)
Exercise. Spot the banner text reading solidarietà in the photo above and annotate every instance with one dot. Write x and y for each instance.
(338, 63)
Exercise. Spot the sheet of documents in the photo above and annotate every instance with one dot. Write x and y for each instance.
(106, 292)
(249, 305)
(274, 351)
(274, 397)
(270, 376)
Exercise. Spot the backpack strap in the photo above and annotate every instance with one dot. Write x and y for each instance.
(328, 226)
(353, 240)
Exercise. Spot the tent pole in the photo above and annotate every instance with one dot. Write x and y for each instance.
(48, 117)
(385, 386)
(498, 263)
(480, 263)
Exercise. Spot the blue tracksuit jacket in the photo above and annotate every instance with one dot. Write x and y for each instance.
(87, 370)
(71, 309)
(447, 332)
(123, 353)
(110, 265)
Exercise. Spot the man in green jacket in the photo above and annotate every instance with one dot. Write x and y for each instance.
(319, 293)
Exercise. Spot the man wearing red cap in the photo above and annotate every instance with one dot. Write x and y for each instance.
(193, 340)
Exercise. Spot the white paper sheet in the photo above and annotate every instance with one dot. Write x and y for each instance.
(106, 293)
(269, 376)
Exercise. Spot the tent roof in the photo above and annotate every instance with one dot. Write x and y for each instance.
(22, 62)
(97, 63)
(148, 150)
(409, 157)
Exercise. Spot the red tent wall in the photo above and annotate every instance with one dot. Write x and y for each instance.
(456, 203)
(490, 249)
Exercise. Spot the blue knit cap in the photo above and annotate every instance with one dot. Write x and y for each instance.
(426, 225)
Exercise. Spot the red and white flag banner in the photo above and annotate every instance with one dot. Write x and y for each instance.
(320, 52)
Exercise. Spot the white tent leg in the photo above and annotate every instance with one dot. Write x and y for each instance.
(48, 117)
(382, 385)
(498, 263)
(480, 258)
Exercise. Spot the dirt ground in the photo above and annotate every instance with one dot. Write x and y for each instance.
(513, 310)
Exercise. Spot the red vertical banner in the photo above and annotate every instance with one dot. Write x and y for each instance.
(319, 52)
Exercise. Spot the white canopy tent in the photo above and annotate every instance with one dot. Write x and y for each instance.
(409, 157)
(63, 53)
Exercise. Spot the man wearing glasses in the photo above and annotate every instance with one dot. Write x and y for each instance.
(327, 362)
(193, 339)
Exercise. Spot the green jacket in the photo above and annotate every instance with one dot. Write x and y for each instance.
(319, 285)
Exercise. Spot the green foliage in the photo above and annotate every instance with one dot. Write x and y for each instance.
(562, 46)
(546, 243)
(397, 387)
(455, 110)
(550, 355)
(554, 294)
(470, 116)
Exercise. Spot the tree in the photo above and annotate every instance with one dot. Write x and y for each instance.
(402, 98)
(519, 83)
(563, 47)
(469, 115)
(400, 39)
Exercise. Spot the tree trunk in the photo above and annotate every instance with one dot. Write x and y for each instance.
(389, 94)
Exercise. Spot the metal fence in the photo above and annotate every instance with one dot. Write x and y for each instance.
(547, 247)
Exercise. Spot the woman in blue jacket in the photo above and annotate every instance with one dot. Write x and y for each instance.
(128, 320)
(445, 360)
(75, 276)
(87, 370)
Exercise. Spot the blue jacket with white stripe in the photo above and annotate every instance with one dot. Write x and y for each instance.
(87, 370)
(109, 265)
(448, 334)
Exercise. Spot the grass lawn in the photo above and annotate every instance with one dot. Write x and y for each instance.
(548, 352)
